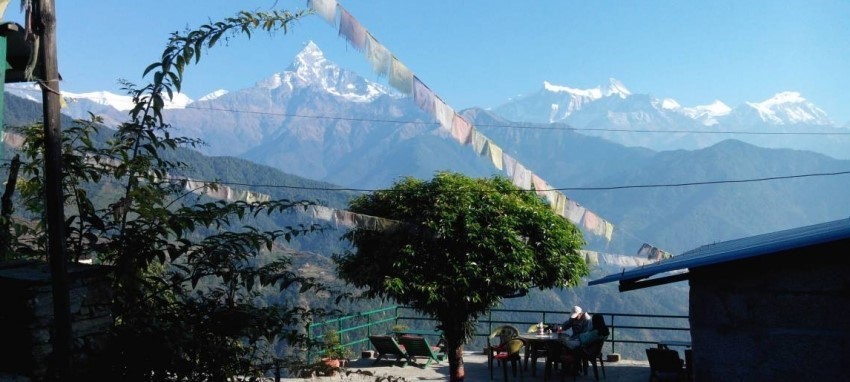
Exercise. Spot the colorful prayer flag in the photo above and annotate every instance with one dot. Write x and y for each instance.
(401, 78)
(378, 56)
(351, 29)
(324, 8)
(495, 154)
(445, 114)
(424, 97)
(461, 129)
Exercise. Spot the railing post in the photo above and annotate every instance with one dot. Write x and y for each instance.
(309, 342)
(613, 337)
(277, 375)
(489, 323)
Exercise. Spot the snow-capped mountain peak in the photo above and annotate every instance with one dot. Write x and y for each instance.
(124, 102)
(104, 98)
(787, 108)
(670, 104)
(615, 87)
(180, 101)
(705, 114)
(213, 95)
(311, 68)
(311, 63)
(563, 101)
(593, 93)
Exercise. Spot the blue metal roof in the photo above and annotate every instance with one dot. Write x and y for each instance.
(738, 249)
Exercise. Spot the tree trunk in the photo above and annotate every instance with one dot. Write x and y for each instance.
(454, 351)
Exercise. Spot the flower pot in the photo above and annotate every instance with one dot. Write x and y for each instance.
(332, 363)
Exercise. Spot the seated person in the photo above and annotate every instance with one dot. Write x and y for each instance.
(598, 330)
(579, 322)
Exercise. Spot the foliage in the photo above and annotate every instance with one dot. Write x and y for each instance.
(466, 244)
(332, 346)
(186, 276)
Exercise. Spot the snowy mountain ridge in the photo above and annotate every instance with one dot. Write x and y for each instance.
(309, 68)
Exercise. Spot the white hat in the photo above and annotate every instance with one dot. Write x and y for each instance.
(576, 311)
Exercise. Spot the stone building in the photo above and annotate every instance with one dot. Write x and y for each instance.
(26, 316)
(772, 307)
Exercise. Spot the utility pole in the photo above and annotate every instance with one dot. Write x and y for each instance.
(45, 23)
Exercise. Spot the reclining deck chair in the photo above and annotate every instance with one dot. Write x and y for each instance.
(417, 346)
(386, 346)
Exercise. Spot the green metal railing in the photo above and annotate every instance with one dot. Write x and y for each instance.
(354, 330)
(626, 328)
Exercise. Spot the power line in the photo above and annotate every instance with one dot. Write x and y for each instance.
(704, 183)
(529, 127)
(600, 188)
(604, 188)
(561, 127)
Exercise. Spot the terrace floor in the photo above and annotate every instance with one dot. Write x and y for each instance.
(475, 367)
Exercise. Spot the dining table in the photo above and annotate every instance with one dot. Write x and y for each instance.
(534, 343)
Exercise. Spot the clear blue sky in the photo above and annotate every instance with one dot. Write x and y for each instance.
(480, 53)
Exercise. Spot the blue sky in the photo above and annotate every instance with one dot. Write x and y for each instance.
(481, 53)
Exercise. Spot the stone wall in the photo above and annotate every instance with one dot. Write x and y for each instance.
(26, 316)
(778, 317)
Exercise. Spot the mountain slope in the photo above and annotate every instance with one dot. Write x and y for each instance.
(681, 218)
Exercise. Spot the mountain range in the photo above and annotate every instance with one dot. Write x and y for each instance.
(786, 120)
(319, 121)
(611, 111)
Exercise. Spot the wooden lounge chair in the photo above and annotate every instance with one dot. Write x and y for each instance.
(387, 346)
(417, 346)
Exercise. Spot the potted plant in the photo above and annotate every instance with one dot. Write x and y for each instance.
(397, 330)
(335, 354)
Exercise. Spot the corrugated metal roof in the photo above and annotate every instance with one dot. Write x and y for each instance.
(738, 249)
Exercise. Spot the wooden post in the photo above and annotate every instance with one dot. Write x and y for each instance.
(45, 22)
(3, 66)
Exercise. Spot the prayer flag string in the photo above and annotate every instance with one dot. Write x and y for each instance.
(384, 63)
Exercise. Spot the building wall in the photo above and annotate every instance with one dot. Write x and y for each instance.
(778, 317)
(26, 317)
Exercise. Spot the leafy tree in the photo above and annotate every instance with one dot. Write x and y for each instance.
(467, 243)
(186, 275)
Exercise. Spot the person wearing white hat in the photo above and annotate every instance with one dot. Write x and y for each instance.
(579, 322)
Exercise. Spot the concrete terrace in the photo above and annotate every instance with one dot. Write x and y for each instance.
(475, 366)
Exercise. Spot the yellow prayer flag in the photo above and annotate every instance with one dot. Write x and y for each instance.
(3, 5)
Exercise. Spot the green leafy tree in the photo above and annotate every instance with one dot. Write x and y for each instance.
(467, 243)
(186, 273)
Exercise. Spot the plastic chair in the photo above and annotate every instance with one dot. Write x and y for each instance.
(496, 342)
(592, 352)
(512, 353)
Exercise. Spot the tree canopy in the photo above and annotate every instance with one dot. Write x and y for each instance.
(463, 246)
(186, 273)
